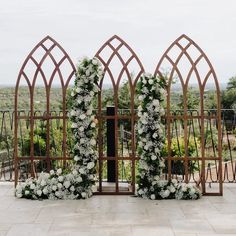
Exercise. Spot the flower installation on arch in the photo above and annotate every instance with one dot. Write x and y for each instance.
(150, 142)
(78, 183)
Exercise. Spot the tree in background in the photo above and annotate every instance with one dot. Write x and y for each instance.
(229, 95)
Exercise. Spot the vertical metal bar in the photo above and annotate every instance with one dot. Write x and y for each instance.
(100, 142)
(203, 177)
(132, 91)
(186, 157)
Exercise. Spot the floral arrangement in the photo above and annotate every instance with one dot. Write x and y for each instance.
(151, 92)
(54, 185)
(80, 181)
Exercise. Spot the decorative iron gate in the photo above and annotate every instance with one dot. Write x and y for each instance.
(116, 51)
(115, 117)
(59, 67)
(184, 47)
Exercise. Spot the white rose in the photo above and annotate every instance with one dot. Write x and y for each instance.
(59, 171)
(155, 102)
(67, 184)
(153, 197)
(60, 178)
(19, 195)
(27, 192)
(59, 185)
(184, 189)
(89, 112)
(74, 125)
(78, 90)
(72, 188)
(52, 172)
(93, 124)
(76, 158)
(90, 165)
(87, 73)
(140, 131)
(140, 98)
(84, 195)
(32, 186)
(75, 172)
(153, 157)
(54, 187)
(82, 140)
(43, 183)
(58, 194)
(81, 129)
(79, 179)
(72, 113)
(174, 181)
(192, 191)
(140, 192)
(82, 117)
(93, 142)
(94, 62)
(39, 192)
(81, 171)
(45, 191)
(150, 81)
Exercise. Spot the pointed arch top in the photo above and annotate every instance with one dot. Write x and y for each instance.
(115, 45)
(184, 44)
(48, 47)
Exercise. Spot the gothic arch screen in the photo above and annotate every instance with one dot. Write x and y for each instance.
(116, 114)
(38, 144)
(188, 153)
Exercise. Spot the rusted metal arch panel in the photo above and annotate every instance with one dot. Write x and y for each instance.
(115, 83)
(185, 84)
(31, 58)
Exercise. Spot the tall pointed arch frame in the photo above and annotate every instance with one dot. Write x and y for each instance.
(132, 116)
(202, 116)
(47, 116)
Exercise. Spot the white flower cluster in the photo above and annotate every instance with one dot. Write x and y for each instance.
(187, 191)
(150, 133)
(54, 185)
(150, 141)
(80, 182)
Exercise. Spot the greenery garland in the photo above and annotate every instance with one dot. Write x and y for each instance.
(150, 142)
(78, 183)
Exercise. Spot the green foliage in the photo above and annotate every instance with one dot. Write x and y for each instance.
(178, 150)
(229, 95)
(39, 141)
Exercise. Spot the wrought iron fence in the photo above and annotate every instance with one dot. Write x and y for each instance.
(228, 140)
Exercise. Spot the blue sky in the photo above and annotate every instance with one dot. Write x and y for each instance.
(82, 26)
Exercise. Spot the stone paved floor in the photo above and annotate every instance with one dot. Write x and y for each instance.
(118, 215)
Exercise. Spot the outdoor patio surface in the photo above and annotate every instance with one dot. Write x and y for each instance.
(118, 215)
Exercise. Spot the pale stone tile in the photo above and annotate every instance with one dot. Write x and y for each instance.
(76, 222)
(88, 234)
(3, 233)
(151, 230)
(223, 224)
(57, 209)
(16, 217)
(28, 230)
(191, 226)
(225, 208)
(164, 212)
(183, 234)
(216, 234)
